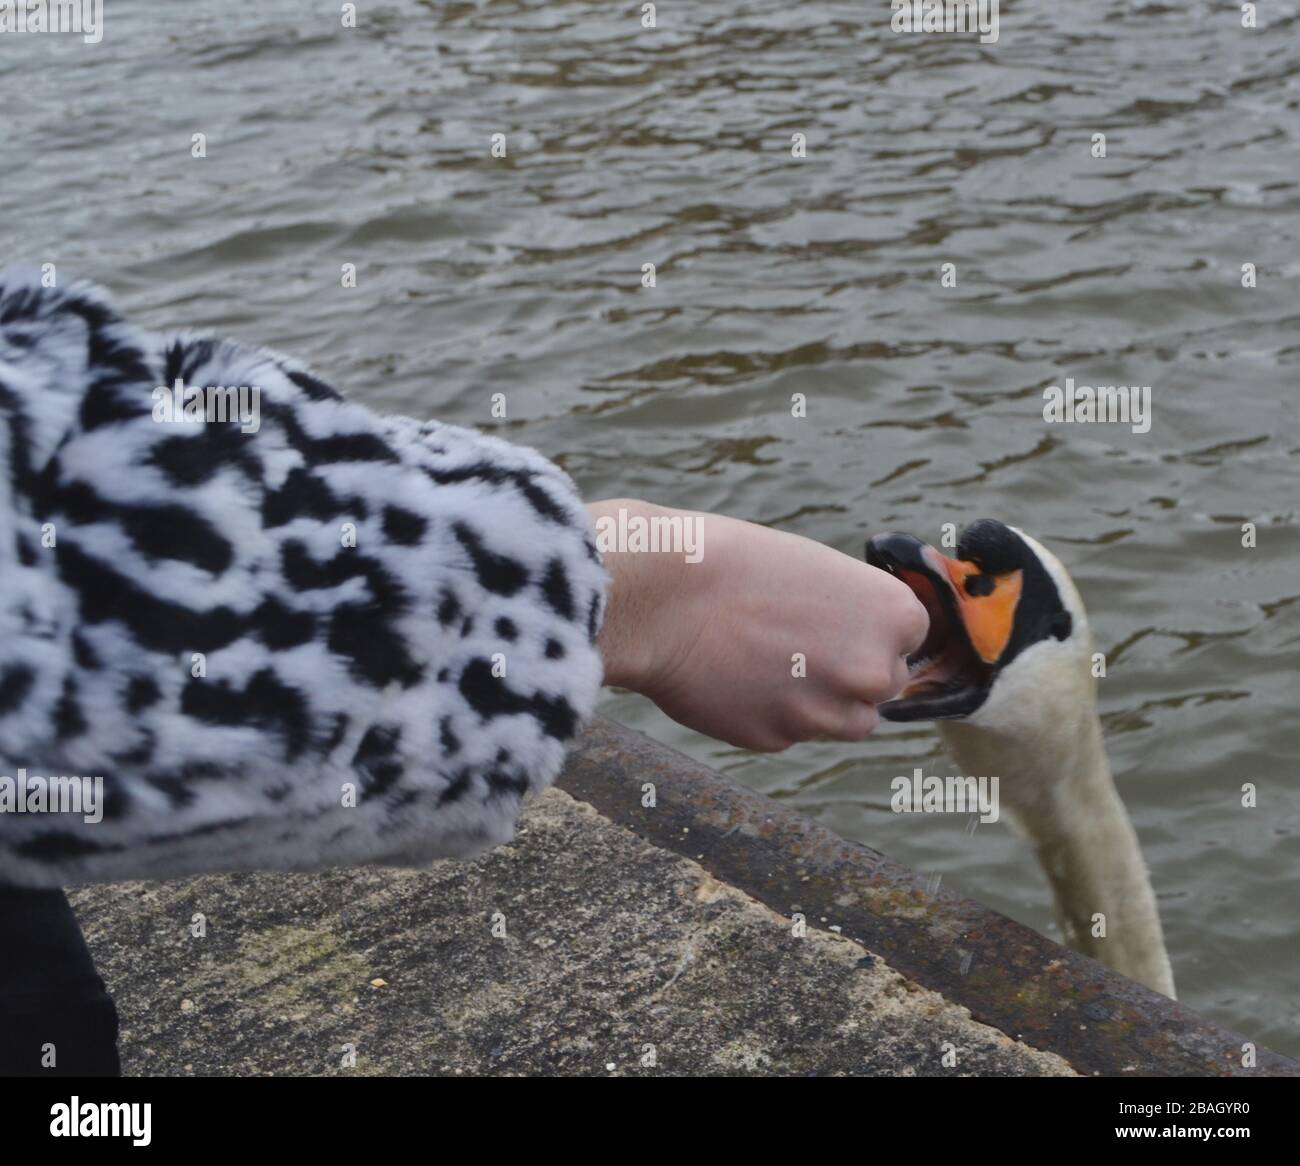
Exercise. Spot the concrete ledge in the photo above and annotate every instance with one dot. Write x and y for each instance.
(614, 951)
(1009, 977)
(636, 941)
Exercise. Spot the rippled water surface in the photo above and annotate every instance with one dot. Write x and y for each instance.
(672, 146)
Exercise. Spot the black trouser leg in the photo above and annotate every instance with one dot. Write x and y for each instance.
(56, 1018)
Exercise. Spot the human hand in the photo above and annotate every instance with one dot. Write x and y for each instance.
(769, 639)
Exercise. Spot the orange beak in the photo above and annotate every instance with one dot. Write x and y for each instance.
(988, 609)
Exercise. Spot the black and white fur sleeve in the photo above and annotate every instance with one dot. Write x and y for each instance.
(341, 638)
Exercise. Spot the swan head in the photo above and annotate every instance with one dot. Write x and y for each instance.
(1008, 648)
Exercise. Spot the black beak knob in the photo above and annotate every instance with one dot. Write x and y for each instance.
(894, 550)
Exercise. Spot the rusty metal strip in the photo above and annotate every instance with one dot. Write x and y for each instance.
(1007, 975)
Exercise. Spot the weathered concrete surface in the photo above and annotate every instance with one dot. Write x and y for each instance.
(1008, 976)
(611, 945)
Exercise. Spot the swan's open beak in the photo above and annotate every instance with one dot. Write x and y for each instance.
(972, 618)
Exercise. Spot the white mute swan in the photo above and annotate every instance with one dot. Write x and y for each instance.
(1006, 670)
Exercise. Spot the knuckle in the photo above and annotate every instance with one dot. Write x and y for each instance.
(820, 718)
(857, 723)
(915, 622)
(876, 683)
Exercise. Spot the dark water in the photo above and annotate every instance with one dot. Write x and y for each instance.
(672, 146)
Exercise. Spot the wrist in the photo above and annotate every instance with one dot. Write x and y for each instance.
(637, 641)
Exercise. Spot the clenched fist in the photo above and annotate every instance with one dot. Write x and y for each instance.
(766, 640)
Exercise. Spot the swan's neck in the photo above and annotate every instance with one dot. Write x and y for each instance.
(1057, 788)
